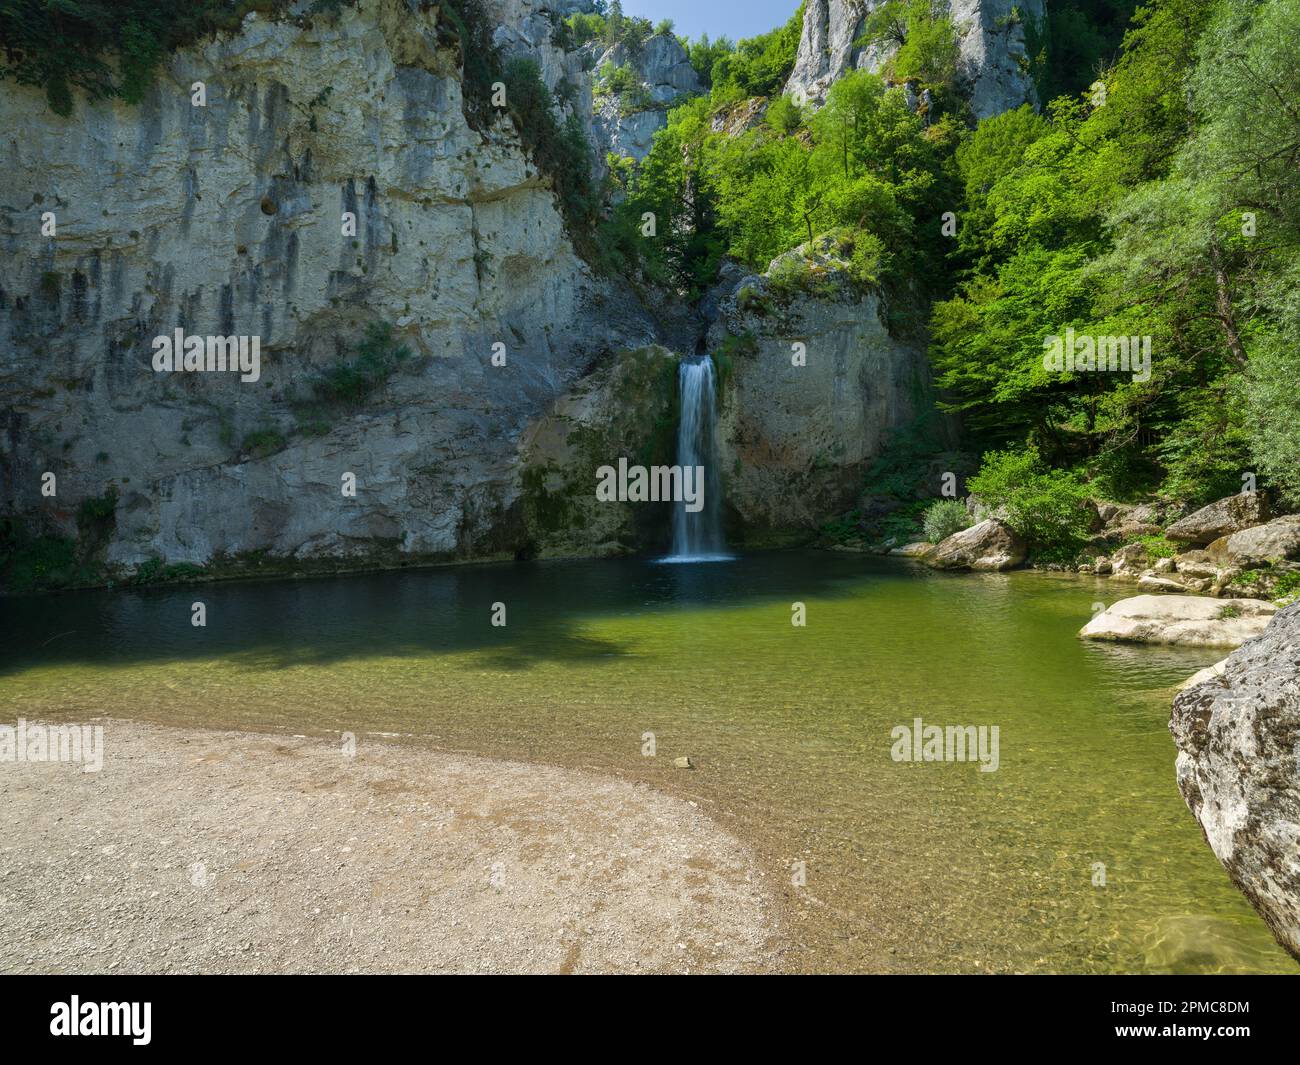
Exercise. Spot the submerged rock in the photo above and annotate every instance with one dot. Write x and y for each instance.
(1190, 620)
(990, 545)
(1238, 738)
(1222, 518)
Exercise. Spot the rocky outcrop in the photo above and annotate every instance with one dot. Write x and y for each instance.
(990, 34)
(1279, 540)
(626, 121)
(1222, 518)
(626, 408)
(812, 384)
(234, 218)
(1189, 620)
(990, 545)
(1238, 739)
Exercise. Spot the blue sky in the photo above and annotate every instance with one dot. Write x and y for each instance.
(717, 18)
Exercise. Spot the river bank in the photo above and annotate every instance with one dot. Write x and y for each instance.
(232, 852)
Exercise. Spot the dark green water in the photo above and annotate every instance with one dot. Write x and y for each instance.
(931, 867)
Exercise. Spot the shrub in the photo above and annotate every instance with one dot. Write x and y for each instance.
(97, 511)
(943, 518)
(784, 115)
(1158, 546)
(1048, 507)
(350, 381)
(264, 442)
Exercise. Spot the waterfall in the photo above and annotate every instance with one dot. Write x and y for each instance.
(697, 537)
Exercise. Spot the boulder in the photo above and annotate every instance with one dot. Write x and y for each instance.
(1129, 561)
(990, 545)
(1279, 539)
(1189, 620)
(918, 549)
(1237, 737)
(1202, 675)
(1222, 518)
(1196, 564)
(1158, 585)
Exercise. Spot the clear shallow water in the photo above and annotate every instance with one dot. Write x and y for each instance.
(930, 867)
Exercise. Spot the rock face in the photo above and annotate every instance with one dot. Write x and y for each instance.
(626, 122)
(603, 417)
(1181, 619)
(231, 219)
(812, 383)
(1278, 540)
(990, 37)
(1222, 518)
(990, 545)
(1238, 738)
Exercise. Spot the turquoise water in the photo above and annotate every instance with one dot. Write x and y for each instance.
(931, 866)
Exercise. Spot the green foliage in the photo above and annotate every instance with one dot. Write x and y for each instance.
(620, 79)
(584, 27)
(263, 442)
(96, 513)
(943, 518)
(757, 66)
(350, 381)
(105, 50)
(153, 571)
(784, 115)
(864, 167)
(1158, 547)
(1076, 40)
(44, 562)
(1048, 507)
(559, 148)
(923, 39)
(704, 54)
(1124, 216)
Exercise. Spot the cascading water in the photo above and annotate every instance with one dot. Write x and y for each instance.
(697, 535)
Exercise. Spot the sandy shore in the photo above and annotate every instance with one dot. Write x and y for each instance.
(195, 851)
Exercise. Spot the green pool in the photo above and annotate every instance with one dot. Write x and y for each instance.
(1076, 855)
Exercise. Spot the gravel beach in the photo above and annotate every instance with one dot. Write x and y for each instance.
(196, 851)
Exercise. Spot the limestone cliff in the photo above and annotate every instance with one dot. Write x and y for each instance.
(429, 335)
(626, 121)
(231, 218)
(813, 384)
(990, 37)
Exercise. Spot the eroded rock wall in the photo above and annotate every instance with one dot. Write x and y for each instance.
(990, 38)
(228, 219)
(813, 384)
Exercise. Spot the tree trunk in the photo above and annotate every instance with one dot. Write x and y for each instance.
(1223, 305)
